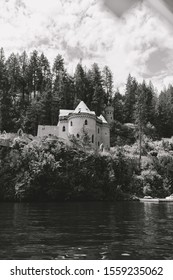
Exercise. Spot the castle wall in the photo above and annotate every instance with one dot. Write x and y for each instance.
(76, 124)
(63, 130)
(99, 140)
(45, 130)
(106, 136)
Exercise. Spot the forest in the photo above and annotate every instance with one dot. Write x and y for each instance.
(139, 163)
(31, 93)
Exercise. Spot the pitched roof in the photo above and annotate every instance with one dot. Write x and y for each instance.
(64, 112)
(82, 108)
(102, 119)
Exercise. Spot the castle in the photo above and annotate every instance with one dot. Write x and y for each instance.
(79, 121)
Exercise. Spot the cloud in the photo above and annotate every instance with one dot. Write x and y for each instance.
(140, 43)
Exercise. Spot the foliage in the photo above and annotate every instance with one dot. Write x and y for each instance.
(49, 170)
(122, 134)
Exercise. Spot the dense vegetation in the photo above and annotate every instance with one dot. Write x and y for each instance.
(48, 170)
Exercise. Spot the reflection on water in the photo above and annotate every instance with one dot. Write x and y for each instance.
(120, 230)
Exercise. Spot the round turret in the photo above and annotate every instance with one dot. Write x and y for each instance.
(77, 123)
(109, 113)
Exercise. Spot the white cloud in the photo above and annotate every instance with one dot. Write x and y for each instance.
(168, 80)
(84, 29)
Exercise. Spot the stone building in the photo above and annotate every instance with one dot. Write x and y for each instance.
(79, 121)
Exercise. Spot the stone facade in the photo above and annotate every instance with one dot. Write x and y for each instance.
(76, 122)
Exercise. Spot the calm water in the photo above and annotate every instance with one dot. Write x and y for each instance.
(121, 230)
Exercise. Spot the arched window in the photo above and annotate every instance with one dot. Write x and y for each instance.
(86, 122)
(92, 138)
(77, 135)
(71, 123)
(63, 128)
(98, 144)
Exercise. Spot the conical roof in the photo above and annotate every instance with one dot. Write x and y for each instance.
(82, 108)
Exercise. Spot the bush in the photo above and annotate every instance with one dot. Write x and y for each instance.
(47, 169)
(153, 183)
(122, 134)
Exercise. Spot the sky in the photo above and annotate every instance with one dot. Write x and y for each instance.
(140, 42)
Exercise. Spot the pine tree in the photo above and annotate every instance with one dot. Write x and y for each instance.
(5, 96)
(45, 75)
(34, 75)
(141, 115)
(63, 88)
(13, 72)
(33, 117)
(59, 75)
(80, 83)
(118, 105)
(98, 95)
(24, 78)
(108, 84)
(130, 99)
(164, 113)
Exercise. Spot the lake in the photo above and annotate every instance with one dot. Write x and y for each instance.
(89, 230)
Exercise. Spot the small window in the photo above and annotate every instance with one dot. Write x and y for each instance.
(77, 135)
(71, 123)
(98, 144)
(86, 122)
(98, 130)
(63, 128)
(92, 138)
(111, 118)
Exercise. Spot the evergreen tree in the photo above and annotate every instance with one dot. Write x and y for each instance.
(5, 97)
(164, 113)
(59, 76)
(14, 81)
(63, 88)
(118, 105)
(13, 73)
(142, 112)
(149, 93)
(80, 82)
(108, 84)
(130, 99)
(45, 75)
(32, 117)
(98, 95)
(34, 75)
(24, 78)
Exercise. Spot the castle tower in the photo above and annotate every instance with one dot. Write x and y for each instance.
(109, 113)
(83, 119)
